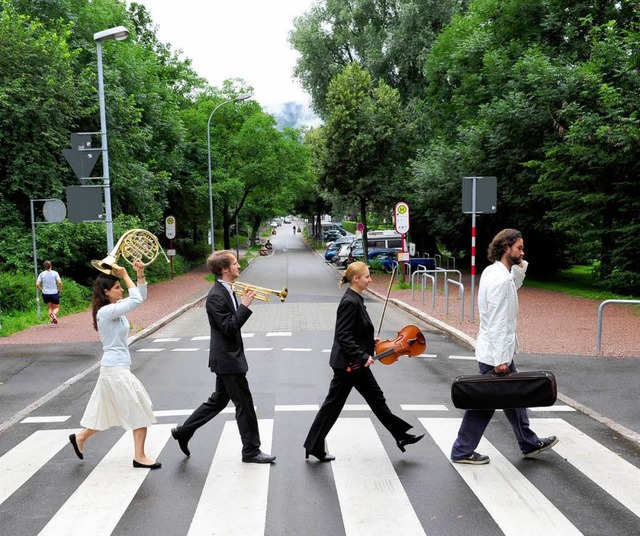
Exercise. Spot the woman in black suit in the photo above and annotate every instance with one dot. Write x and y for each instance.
(354, 344)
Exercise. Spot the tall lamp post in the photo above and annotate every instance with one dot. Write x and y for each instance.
(242, 97)
(118, 33)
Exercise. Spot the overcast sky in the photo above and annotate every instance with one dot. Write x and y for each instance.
(236, 39)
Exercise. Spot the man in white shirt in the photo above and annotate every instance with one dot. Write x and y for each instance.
(496, 345)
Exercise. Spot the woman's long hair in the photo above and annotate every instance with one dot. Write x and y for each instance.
(99, 298)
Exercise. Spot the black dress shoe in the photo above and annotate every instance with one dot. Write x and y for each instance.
(74, 444)
(261, 457)
(408, 439)
(182, 443)
(321, 457)
(155, 465)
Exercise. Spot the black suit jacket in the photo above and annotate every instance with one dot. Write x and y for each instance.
(226, 350)
(353, 341)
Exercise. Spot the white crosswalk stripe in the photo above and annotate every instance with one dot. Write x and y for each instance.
(114, 481)
(519, 508)
(357, 448)
(617, 477)
(23, 461)
(234, 499)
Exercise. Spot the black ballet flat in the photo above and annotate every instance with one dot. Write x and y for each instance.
(156, 465)
(408, 439)
(74, 444)
(321, 457)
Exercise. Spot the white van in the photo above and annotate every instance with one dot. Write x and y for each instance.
(388, 239)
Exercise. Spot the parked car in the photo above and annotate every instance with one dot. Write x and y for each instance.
(387, 256)
(341, 257)
(357, 254)
(287, 219)
(333, 247)
(331, 236)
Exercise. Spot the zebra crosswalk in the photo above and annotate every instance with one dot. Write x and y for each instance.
(368, 481)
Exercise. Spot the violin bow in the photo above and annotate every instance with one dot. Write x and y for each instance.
(384, 308)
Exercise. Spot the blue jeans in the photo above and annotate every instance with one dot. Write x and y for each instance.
(475, 422)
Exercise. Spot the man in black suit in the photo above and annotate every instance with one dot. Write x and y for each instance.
(227, 361)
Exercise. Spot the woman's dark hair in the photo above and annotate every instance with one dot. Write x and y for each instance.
(99, 298)
(506, 237)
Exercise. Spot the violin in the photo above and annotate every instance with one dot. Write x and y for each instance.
(409, 341)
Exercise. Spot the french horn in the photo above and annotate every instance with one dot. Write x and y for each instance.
(136, 245)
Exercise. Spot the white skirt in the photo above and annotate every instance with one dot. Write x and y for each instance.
(118, 399)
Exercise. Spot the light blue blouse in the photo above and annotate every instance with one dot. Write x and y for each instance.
(113, 327)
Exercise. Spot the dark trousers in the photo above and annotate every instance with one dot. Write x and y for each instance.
(232, 387)
(475, 422)
(341, 384)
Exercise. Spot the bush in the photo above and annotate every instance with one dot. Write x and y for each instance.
(20, 294)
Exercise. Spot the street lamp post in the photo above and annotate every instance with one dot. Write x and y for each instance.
(118, 33)
(242, 97)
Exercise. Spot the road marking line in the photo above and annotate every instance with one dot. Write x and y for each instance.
(297, 349)
(298, 407)
(45, 419)
(166, 339)
(519, 505)
(430, 356)
(25, 459)
(463, 357)
(185, 349)
(372, 499)
(247, 335)
(201, 338)
(234, 496)
(326, 350)
(258, 349)
(424, 407)
(182, 412)
(114, 481)
(279, 334)
(553, 409)
(150, 350)
(617, 477)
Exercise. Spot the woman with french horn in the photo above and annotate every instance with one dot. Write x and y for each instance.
(118, 399)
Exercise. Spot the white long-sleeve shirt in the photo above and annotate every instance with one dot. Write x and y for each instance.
(113, 327)
(498, 307)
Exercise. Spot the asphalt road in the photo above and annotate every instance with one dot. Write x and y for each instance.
(589, 484)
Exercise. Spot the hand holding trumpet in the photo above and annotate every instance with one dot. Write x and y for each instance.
(247, 297)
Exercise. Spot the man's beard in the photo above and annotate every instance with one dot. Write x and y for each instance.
(513, 259)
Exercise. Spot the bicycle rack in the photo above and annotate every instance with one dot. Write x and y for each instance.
(422, 273)
(446, 296)
(600, 312)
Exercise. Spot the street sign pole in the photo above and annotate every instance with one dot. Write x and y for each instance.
(473, 249)
(480, 198)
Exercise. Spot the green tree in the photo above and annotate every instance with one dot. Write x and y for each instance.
(506, 82)
(366, 140)
(389, 38)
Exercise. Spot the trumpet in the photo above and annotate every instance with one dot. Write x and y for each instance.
(261, 293)
(134, 245)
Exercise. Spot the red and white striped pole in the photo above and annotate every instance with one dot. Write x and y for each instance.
(473, 248)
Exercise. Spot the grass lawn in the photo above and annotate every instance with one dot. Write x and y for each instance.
(576, 281)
